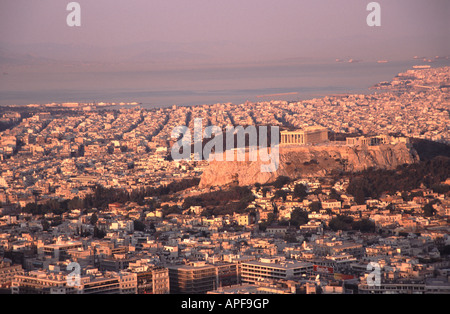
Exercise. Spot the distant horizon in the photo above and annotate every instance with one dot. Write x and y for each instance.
(160, 51)
(363, 71)
(204, 31)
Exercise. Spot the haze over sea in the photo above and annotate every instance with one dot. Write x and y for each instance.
(161, 53)
(235, 84)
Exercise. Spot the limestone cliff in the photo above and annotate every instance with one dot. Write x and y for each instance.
(309, 161)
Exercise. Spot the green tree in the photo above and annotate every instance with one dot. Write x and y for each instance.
(341, 222)
(138, 225)
(264, 191)
(441, 188)
(93, 219)
(315, 206)
(75, 203)
(281, 181)
(445, 250)
(280, 194)
(99, 233)
(335, 195)
(299, 217)
(359, 196)
(45, 225)
(364, 225)
(300, 191)
(428, 210)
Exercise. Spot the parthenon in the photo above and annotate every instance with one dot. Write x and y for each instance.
(309, 135)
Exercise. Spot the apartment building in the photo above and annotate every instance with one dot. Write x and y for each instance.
(335, 248)
(331, 204)
(58, 249)
(193, 278)
(94, 282)
(406, 286)
(273, 269)
(7, 273)
(41, 282)
(153, 280)
(227, 274)
(117, 262)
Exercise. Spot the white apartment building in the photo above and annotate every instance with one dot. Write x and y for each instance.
(273, 269)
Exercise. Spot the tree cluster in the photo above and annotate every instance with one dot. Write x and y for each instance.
(347, 223)
(223, 202)
(101, 197)
(372, 183)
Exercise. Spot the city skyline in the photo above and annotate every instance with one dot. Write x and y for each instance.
(92, 203)
(216, 152)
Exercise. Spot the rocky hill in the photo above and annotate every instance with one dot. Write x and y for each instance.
(309, 161)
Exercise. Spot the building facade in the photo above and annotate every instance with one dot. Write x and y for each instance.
(193, 278)
(43, 282)
(7, 273)
(310, 135)
(153, 280)
(273, 269)
(376, 140)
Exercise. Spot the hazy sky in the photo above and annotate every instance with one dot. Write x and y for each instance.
(224, 31)
(195, 51)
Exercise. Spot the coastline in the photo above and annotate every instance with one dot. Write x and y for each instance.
(314, 82)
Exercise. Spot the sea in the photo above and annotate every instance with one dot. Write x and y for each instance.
(197, 86)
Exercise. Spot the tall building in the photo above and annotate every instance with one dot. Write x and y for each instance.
(153, 280)
(193, 278)
(309, 135)
(227, 274)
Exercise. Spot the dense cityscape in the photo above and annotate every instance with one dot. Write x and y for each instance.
(95, 186)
